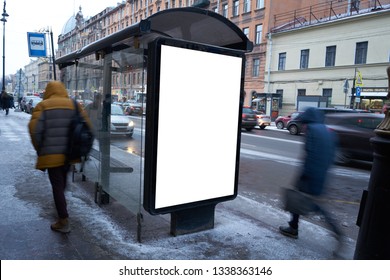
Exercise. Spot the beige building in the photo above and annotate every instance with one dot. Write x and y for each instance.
(313, 61)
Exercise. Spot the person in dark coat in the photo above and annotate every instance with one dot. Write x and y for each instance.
(320, 148)
(5, 101)
(49, 129)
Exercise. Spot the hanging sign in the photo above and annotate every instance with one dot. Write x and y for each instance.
(36, 44)
(359, 79)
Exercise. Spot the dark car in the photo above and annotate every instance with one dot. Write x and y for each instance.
(281, 121)
(295, 125)
(354, 132)
(249, 119)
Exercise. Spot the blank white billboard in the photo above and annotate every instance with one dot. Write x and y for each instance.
(198, 122)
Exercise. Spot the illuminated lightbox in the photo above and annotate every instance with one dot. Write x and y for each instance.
(193, 125)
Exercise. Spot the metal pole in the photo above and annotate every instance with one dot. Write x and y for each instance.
(3, 83)
(52, 52)
(373, 241)
(4, 20)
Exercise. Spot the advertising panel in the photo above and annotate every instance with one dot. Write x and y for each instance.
(192, 139)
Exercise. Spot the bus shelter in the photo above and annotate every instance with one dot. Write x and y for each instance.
(168, 72)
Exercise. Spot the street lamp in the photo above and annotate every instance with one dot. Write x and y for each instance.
(4, 20)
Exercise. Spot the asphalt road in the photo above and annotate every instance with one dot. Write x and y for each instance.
(269, 162)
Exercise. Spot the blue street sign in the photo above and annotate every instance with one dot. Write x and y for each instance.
(36, 44)
(358, 91)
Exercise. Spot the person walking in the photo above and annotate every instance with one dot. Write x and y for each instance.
(5, 101)
(319, 156)
(49, 130)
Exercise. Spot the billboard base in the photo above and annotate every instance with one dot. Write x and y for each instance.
(192, 220)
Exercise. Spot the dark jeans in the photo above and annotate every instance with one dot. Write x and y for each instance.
(57, 177)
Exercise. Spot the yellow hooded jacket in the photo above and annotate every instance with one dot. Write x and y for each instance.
(50, 123)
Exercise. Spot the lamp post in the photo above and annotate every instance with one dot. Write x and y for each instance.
(4, 20)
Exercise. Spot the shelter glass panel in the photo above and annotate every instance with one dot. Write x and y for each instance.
(115, 102)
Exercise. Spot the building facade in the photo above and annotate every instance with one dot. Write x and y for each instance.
(266, 23)
(254, 17)
(339, 59)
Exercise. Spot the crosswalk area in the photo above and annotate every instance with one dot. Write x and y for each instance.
(13, 127)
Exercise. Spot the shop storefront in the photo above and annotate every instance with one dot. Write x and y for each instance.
(372, 99)
(268, 104)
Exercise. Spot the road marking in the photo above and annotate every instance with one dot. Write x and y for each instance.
(273, 138)
(338, 171)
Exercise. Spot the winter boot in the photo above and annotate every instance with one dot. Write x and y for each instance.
(62, 225)
(289, 231)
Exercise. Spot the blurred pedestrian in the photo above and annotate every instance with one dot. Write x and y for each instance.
(11, 102)
(319, 156)
(5, 101)
(49, 129)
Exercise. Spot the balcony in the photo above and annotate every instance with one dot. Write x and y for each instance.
(324, 12)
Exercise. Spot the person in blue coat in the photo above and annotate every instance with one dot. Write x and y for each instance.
(320, 149)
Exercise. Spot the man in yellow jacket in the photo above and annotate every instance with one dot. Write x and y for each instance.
(49, 129)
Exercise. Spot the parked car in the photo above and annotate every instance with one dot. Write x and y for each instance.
(32, 101)
(354, 132)
(296, 127)
(249, 119)
(281, 121)
(262, 120)
(120, 123)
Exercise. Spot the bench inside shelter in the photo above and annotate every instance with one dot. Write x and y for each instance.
(116, 166)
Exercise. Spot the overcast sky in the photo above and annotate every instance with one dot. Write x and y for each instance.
(31, 16)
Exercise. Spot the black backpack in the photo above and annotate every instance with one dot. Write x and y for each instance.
(80, 138)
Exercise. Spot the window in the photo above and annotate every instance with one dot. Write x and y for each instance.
(330, 56)
(280, 92)
(361, 53)
(301, 92)
(259, 4)
(236, 5)
(282, 61)
(247, 6)
(259, 33)
(225, 8)
(304, 59)
(245, 30)
(256, 67)
(327, 92)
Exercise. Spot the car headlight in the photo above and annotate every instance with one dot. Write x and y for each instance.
(131, 124)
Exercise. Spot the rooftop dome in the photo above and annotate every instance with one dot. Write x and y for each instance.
(72, 22)
(69, 25)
